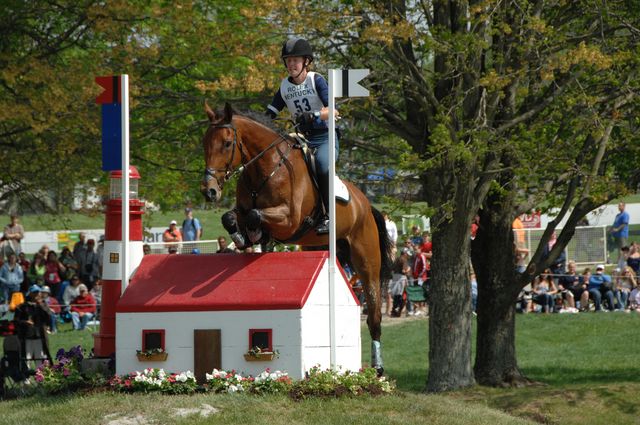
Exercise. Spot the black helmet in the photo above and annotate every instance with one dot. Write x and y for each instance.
(297, 47)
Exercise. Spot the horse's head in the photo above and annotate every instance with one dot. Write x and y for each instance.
(220, 145)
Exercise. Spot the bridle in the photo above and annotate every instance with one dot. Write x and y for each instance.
(230, 172)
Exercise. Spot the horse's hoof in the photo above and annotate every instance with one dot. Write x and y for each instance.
(380, 371)
(254, 235)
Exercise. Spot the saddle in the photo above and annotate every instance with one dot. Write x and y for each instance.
(341, 192)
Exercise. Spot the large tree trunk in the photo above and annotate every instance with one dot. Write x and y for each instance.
(498, 287)
(450, 308)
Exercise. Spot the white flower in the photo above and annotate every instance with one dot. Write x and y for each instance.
(208, 377)
(232, 389)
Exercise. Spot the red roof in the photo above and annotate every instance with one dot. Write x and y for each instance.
(269, 281)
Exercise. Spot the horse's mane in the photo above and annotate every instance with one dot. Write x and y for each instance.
(262, 119)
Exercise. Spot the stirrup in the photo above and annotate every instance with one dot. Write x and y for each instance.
(323, 227)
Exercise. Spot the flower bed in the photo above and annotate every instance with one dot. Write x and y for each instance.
(65, 375)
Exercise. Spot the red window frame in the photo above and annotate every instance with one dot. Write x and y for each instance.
(145, 332)
(269, 333)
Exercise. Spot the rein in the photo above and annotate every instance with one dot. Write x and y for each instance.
(229, 172)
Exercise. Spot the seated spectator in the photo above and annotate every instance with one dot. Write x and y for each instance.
(223, 246)
(83, 308)
(544, 291)
(572, 286)
(634, 299)
(54, 306)
(32, 318)
(96, 292)
(633, 260)
(625, 283)
(146, 249)
(600, 284)
(11, 277)
(584, 298)
(36, 269)
(71, 292)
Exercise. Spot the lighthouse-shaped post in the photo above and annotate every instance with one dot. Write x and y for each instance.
(105, 340)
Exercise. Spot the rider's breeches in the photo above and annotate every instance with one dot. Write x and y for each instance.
(320, 142)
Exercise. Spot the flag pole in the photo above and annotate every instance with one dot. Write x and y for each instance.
(332, 221)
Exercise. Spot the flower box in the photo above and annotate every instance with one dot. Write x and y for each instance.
(262, 356)
(155, 357)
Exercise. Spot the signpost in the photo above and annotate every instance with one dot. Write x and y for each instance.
(115, 147)
(342, 83)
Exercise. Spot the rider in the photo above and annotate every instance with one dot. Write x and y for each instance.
(306, 94)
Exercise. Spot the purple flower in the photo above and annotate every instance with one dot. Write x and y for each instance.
(60, 353)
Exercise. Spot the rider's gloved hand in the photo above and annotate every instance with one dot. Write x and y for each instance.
(305, 118)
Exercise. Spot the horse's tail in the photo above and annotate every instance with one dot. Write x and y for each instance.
(386, 247)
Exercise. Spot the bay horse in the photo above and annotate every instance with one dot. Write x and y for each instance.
(276, 200)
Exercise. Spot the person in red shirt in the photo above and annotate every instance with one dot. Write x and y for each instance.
(83, 308)
(173, 236)
(420, 264)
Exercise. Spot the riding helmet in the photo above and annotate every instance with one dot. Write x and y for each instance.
(297, 47)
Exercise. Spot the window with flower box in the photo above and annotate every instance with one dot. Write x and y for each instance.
(152, 339)
(261, 338)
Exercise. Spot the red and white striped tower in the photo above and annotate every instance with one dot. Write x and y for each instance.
(105, 340)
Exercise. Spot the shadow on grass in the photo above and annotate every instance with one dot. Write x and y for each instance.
(590, 374)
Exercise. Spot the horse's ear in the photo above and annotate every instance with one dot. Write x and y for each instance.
(209, 111)
(228, 113)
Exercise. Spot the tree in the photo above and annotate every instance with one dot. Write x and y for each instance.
(463, 82)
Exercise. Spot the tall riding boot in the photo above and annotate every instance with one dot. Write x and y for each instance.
(323, 225)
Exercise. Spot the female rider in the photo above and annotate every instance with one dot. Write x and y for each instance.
(306, 95)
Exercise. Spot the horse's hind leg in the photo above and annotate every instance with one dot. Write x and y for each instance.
(367, 265)
(230, 223)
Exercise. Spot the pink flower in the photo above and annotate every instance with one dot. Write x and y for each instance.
(66, 372)
(39, 377)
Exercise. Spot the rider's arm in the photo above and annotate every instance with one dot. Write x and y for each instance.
(322, 87)
(277, 105)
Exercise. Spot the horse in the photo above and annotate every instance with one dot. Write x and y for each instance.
(277, 200)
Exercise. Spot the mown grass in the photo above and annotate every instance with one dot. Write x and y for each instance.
(586, 367)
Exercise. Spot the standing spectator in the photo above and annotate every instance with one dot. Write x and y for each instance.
(32, 318)
(620, 229)
(53, 305)
(146, 249)
(11, 277)
(25, 264)
(172, 236)
(558, 266)
(416, 237)
(96, 293)
(223, 248)
(191, 228)
(54, 270)
(518, 231)
(599, 285)
(69, 262)
(89, 265)
(474, 293)
(80, 248)
(83, 308)
(100, 254)
(392, 229)
(475, 225)
(13, 234)
(37, 268)
(401, 270)
(420, 274)
(44, 251)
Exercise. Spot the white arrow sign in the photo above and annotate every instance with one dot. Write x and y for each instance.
(345, 82)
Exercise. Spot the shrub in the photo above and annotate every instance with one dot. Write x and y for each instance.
(220, 381)
(155, 380)
(63, 374)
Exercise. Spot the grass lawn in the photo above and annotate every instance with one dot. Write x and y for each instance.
(586, 367)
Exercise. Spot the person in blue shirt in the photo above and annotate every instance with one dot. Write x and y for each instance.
(599, 285)
(11, 277)
(191, 228)
(620, 228)
(306, 95)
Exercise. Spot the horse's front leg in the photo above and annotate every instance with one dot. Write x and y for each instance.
(230, 223)
(265, 220)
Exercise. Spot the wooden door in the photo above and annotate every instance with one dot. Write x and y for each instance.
(207, 352)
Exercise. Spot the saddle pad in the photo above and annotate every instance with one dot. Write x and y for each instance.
(341, 191)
